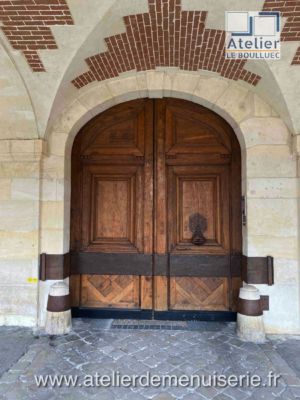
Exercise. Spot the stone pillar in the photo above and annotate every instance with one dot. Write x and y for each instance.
(58, 320)
(20, 162)
(250, 326)
(272, 196)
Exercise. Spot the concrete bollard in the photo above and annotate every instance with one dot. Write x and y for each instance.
(58, 320)
(250, 326)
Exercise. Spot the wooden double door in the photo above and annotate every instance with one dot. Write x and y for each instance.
(156, 210)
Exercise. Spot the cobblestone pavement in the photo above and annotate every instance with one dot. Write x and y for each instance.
(97, 346)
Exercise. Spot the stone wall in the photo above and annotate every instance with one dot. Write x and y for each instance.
(271, 186)
(19, 230)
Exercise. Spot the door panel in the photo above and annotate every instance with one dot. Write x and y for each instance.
(156, 209)
(198, 199)
(121, 291)
(193, 293)
(112, 209)
(190, 129)
(113, 213)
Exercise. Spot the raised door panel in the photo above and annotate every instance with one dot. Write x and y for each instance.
(194, 130)
(117, 133)
(106, 291)
(123, 134)
(196, 197)
(112, 209)
(112, 212)
(198, 202)
(194, 293)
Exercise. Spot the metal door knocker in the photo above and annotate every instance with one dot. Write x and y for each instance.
(198, 225)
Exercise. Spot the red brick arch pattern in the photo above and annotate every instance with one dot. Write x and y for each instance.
(289, 9)
(166, 36)
(26, 26)
(296, 59)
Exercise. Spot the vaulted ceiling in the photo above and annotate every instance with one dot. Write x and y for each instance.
(56, 47)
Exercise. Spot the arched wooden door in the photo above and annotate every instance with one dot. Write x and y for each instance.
(156, 213)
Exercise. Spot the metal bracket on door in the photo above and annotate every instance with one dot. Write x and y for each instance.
(244, 213)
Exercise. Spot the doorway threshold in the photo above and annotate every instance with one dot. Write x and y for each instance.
(138, 314)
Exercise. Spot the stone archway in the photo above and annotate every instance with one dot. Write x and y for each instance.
(267, 165)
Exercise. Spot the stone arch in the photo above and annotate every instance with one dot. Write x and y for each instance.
(201, 88)
(247, 114)
(235, 102)
(267, 165)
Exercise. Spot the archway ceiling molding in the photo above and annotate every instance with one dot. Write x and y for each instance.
(75, 43)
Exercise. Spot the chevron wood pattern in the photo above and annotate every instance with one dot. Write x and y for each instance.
(193, 293)
(120, 291)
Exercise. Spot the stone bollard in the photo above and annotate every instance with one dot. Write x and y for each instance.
(250, 326)
(58, 320)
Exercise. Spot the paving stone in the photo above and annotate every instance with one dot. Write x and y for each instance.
(295, 391)
(4, 387)
(14, 342)
(263, 394)
(222, 396)
(187, 368)
(292, 380)
(280, 366)
(193, 396)
(287, 395)
(117, 354)
(289, 350)
(178, 392)
(207, 392)
(135, 396)
(202, 348)
(236, 393)
(164, 368)
(175, 360)
(151, 362)
(163, 396)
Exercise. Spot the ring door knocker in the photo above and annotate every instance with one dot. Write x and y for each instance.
(198, 225)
